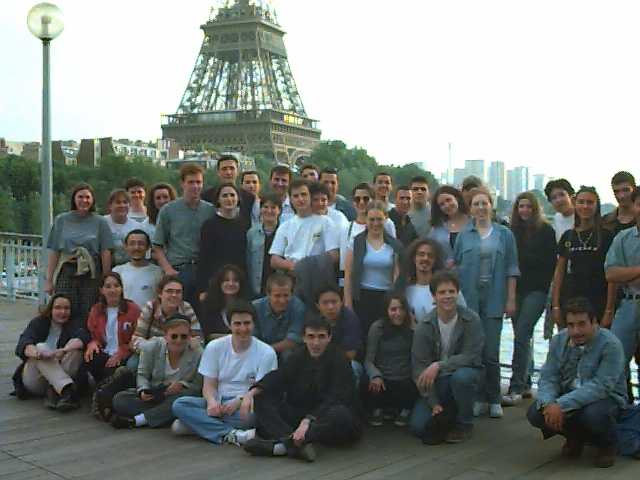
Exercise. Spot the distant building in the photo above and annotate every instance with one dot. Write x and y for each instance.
(31, 151)
(459, 175)
(477, 168)
(539, 181)
(4, 149)
(517, 182)
(93, 149)
(498, 179)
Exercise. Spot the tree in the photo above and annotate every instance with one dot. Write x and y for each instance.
(7, 211)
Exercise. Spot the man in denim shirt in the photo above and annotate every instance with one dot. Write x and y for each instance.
(280, 315)
(582, 385)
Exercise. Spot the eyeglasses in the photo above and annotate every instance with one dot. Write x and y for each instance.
(358, 199)
(181, 336)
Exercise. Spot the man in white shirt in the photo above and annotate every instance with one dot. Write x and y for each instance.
(303, 235)
(279, 181)
(140, 277)
(229, 366)
(560, 194)
(320, 206)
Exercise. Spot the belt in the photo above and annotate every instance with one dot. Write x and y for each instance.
(631, 296)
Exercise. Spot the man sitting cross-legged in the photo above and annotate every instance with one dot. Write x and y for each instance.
(310, 398)
(229, 366)
(582, 385)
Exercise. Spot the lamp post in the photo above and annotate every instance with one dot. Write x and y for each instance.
(45, 22)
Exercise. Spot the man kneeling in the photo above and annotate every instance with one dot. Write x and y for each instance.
(229, 366)
(310, 398)
(447, 356)
(582, 385)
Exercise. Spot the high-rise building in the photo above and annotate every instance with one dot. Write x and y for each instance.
(477, 168)
(498, 178)
(517, 182)
(458, 176)
(539, 181)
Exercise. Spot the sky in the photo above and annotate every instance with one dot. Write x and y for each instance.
(552, 84)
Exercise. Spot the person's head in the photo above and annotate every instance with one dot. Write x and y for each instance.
(228, 283)
(328, 300)
(319, 198)
(361, 195)
(111, 290)
(136, 244)
(191, 180)
(376, 216)
(310, 172)
(424, 256)
(623, 184)
(329, 178)
(242, 318)
(227, 196)
(447, 203)
(403, 199)
(526, 213)
(560, 194)
(170, 292)
(316, 335)
(250, 182)
(279, 289)
(177, 332)
(227, 168)
(58, 309)
(581, 320)
(118, 203)
(445, 288)
(382, 184)
(420, 191)
(396, 310)
(300, 197)
(159, 195)
(137, 192)
(481, 204)
(587, 207)
(468, 184)
(279, 180)
(83, 199)
(270, 207)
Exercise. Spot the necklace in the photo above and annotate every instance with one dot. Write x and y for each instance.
(584, 243)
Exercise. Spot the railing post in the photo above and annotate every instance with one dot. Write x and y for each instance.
(11, 271)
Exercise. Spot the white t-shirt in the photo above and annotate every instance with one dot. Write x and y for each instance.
(286, 212)
(137, 216)
(561, 224)
(139, 282)
(119, 232)
(377, 267)
(302, 237)
(337, 217)
(350, 231)
(112, 331)
(55, 330)
(446, 331)
(236, 372)
(421, 301)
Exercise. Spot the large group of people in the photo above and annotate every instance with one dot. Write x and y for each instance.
(282, 318)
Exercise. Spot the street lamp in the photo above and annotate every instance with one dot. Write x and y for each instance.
(45, 22)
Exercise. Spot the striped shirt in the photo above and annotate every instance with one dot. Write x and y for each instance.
(152, 319)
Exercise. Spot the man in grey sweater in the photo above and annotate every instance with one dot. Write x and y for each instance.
(447, 357)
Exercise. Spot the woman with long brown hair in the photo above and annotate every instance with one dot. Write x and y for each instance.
(535, 240)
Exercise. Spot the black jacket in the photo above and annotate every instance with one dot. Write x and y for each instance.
(537, 260)
(313, 384)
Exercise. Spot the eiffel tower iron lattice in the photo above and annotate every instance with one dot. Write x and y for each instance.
(241, 95)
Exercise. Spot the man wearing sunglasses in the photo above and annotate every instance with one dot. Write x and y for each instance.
(420, 213)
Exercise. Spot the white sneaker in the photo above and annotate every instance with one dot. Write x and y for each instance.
(179, 428)
(495, 410)
(511, 399)
(480, 408)
(239, 437)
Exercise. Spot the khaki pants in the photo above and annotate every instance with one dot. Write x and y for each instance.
(37, 374)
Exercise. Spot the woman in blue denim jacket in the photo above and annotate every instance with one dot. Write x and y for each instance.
(486, 257)
(259, 239)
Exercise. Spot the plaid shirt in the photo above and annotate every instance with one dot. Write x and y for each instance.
(152, 319)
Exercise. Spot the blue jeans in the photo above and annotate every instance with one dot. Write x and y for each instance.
(529, 310)
(489, 384)
(626, 326)
(187, 275)
(594, 423)
(454, 391)
(192, 411)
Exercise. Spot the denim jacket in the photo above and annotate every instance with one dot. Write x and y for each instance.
(255, 257)
(504, 264)
(441, 235)
(600, 373)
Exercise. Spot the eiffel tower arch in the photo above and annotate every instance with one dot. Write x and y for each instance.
(241, 95)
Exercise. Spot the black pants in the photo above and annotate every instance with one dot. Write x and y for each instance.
(98, 367)
(277, 420)
(369, 308)
(157, 413)
(398, 394)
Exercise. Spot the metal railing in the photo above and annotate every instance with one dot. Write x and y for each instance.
(19, 265)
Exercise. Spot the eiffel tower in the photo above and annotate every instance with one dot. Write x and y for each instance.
(241, 95)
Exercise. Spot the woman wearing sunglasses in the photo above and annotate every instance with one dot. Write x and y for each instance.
(168, 370)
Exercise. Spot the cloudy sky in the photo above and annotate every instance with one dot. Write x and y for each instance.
(550, 84)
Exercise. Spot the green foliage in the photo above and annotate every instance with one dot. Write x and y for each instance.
(7, 211)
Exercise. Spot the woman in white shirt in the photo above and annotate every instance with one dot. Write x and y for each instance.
(119, 223)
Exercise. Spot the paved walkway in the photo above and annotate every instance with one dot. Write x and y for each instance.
(39, 444)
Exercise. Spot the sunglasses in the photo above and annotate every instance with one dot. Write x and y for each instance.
(181, 336)
(361, 199)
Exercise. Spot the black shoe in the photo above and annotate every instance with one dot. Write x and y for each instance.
(119, 422)
(438, 427)
(51, 398)
(67, 400)
(305, 452)
(259, 447)
(573, 447)
(458, 435)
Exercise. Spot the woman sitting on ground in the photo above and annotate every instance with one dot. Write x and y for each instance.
(51, 352)
(168, 370)
(111, 324)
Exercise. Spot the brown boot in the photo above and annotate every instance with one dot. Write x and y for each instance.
(605, 457)
(572, 447)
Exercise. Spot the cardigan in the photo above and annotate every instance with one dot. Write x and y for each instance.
(97, 326)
